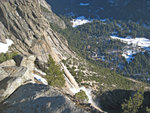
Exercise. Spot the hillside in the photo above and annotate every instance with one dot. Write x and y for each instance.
(113, 9)
(46, 65)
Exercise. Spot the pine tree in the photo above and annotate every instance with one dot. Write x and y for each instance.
(54, 74)
(133, 104)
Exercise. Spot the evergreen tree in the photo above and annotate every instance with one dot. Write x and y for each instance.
(134, 103)
(54, 74)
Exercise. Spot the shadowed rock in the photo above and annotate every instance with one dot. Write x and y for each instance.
(35, 98)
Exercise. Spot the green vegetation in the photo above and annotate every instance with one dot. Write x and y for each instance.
(93, 39)
(81, 96)
(105, 79)
(139, 67)
(78, 75)
(7, 56)
(147, 110)
(54, 74)
(135, 103)
(121, 10)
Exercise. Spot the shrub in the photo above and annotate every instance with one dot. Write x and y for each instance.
(81, 96)
(147, 110)
(7, 56)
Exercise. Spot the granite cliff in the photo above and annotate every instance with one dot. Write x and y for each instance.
(27, 24)
(23, 22)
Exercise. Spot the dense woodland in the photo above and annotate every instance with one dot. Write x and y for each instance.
(94, 39)
(136, 10)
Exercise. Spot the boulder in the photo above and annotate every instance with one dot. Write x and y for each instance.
(37, 98)
(12, 78)
(3, 74)
(8, 63)
(28, 62)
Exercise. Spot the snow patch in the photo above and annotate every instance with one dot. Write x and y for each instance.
(102, 8)
(128, 55)
(4, 47)
(103, 58)
(80, 21)
(84, 4)
(39, 78)
(143, 43)
(147, 26)
(103, 20)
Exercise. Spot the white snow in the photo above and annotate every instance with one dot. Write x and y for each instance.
(102, 8)
(143, 43)
(103, 58)
(147, 26)
(103, 20)
(129, 55)
(39, 71)
(84, 4)
(80, 21)
(39, 78)
(4, 47)
(87, 91)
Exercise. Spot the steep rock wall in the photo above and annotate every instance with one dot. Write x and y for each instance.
(22, 21)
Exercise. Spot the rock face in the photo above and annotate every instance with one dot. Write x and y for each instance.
(3, 74)
(8, 63)
(23, 22)
(50, 16)
(19, 93)
(35, 98)
(12, 77)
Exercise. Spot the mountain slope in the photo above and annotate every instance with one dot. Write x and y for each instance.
(27, 24)
(137, 10)
(33, 98)
(23, 23)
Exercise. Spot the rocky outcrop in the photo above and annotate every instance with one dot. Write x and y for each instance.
(35, 98)
(73, 82)
(23, 22)
(15, 77)
(3, 74)
(8, 63)
(20, 94)
(12, 77)
(50, 16)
